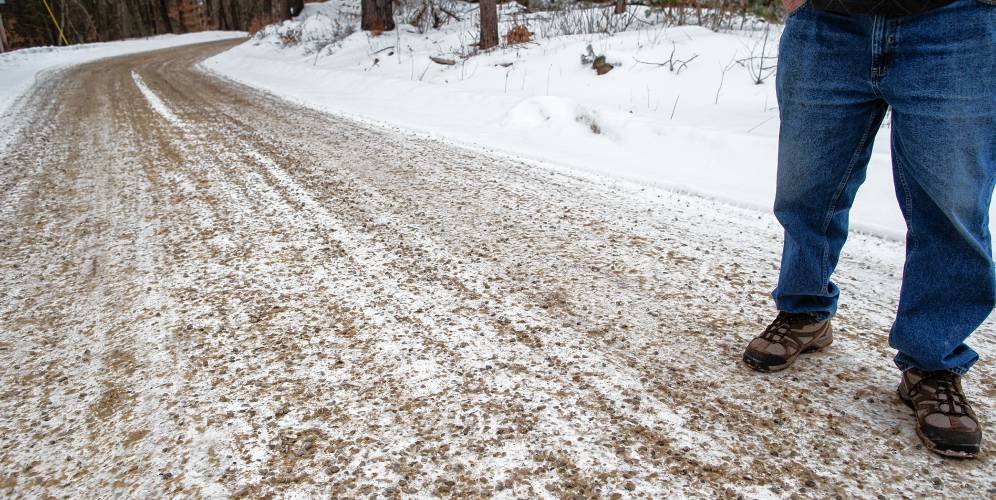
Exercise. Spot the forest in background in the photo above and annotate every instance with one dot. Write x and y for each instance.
(29, 23)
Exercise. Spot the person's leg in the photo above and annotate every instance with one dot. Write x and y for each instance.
(830, 114)
(942, 87)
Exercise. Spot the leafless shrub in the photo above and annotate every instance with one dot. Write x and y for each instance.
(575, 21)
(760, 63)
(290, 37)
(722, 78)
(584, 19)
(552, 20)
(518, 34)
(315, 33)
(429, 14)
(672, 64)
(717, 15)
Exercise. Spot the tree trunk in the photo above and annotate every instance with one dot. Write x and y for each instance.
(62, 21)
(236, 12)
(183, 21)
(3, 37)
(145, 24)
(376, 15)
(164, 9)
(211, 12)
(287, 9)
(620, 7)
(29, 23)
(296, 6)
(224, 15)
(489, 24)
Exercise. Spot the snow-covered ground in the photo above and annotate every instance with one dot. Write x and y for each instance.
(209, 293)
(19, 68)
(707, 129)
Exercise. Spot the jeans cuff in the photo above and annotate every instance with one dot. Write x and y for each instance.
(903, 363)
(817, 315)
(821, 315)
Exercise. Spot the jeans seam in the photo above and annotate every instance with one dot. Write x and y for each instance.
(907, 196)
(826, 263)
(840, 189)
(847, 173)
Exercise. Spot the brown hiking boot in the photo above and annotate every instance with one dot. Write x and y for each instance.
(789, 335)
(944, 420)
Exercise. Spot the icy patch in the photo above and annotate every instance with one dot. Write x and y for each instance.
(157, 104)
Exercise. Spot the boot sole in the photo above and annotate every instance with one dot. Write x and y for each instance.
(966, 451)
(816, 346)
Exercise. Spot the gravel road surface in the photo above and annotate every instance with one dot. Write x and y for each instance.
(207, 291)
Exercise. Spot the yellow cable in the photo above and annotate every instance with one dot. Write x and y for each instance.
(64, 41)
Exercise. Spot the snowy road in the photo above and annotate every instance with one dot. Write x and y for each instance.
(209, 292)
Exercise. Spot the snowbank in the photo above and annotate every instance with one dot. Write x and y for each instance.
(705, 127)
(18, 69)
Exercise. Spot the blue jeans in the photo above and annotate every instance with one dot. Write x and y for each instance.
(837, 75)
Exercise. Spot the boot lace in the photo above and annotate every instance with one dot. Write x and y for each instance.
(946, 392)
(776, 331)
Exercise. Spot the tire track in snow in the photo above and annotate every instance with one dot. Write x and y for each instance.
(375, 177)
(356, 312)
(157, 104)
(360, 252)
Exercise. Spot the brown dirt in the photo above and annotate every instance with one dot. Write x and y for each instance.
(265, 300)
